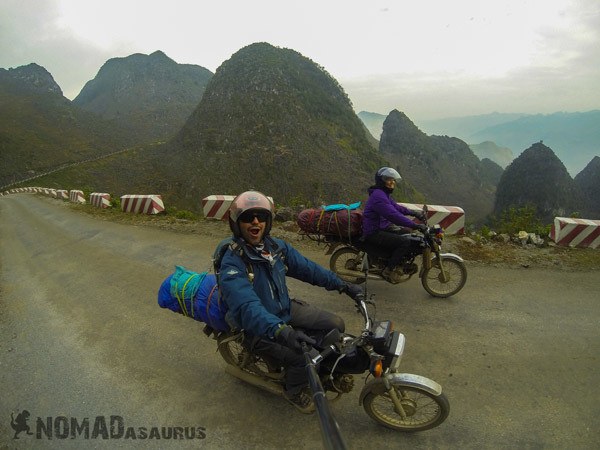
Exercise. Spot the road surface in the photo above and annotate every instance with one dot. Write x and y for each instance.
(82, 337)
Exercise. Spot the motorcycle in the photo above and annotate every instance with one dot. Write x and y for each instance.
(442, 274)
(400, 401)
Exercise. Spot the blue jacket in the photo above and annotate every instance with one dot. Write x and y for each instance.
(381, 211)
(261, 305)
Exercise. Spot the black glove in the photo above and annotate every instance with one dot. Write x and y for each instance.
(286, 335)
(353, 291)
(419, 215)
(422, 228)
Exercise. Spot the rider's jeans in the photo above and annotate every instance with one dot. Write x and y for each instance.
(396, 240)
(304, 316)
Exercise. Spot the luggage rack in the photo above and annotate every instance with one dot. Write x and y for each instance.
(330, 240)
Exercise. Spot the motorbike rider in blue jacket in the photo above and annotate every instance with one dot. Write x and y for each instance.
(252, 283)
(385, 223)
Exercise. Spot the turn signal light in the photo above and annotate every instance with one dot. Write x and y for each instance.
(377, 368)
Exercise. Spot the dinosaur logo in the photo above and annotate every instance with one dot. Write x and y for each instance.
(20, 423)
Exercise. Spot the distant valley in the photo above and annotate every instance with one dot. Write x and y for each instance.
(574, 137)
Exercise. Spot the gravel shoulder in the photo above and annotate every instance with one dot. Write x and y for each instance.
(480, 251)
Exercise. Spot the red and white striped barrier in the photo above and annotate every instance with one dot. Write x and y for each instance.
(76, 196)
(217, 206)
(100, 200)
(62, 194)
(450, 218)
(145, 204)
(576, 232)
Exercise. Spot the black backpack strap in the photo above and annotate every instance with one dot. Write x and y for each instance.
(236, 246)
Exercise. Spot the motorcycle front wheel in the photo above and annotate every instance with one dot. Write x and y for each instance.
(421, 410)
(346, 258)
(433, 280)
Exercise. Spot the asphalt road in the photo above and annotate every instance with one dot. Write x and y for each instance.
(81, 337)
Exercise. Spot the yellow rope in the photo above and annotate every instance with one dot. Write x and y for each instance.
(181, 300)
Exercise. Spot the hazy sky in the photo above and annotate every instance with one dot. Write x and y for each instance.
(427, 58)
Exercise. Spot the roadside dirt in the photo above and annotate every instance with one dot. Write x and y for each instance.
(486, 253)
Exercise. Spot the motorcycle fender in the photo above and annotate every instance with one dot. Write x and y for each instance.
(377, 385)
(332, 246)
(452, 256)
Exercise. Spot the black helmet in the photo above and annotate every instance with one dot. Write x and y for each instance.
(249, 200)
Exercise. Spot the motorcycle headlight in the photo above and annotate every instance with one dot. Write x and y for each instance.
(396, 350)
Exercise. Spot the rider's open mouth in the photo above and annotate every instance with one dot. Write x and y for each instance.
(254, 231)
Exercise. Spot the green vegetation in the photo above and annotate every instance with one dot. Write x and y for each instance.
(181, 213)
(150, 95)
(273, 120)
(269, 119)
(513, 220)
(588, 183)
(537, 177)
(41, 130)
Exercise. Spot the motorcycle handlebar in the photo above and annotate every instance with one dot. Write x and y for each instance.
(361, 306)
(321, 356)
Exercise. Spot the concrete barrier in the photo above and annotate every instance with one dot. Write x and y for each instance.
(576, 232)
(450, 218)
(145, 204)
(217, 206)
(100, 200)
(62, 194)
(76, 196)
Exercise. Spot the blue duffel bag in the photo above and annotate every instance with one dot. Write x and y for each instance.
(194, 295)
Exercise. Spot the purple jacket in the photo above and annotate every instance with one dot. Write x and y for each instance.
(381, 211)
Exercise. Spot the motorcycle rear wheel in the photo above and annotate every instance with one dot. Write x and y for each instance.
(432, 278)
(235, 354)
(348, 259)
(422, 409)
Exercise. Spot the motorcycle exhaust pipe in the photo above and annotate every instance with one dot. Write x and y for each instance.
(358, 274)
(254, 380)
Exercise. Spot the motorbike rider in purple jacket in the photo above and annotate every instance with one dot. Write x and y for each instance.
(385, 223)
